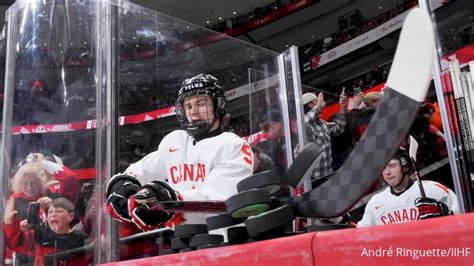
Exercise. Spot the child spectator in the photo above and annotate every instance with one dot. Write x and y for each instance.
(34, 241)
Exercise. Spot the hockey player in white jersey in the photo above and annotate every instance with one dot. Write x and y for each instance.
(401, 201)
(199, 162)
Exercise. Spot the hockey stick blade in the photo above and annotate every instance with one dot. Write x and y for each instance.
(191, 206)
(406, 88)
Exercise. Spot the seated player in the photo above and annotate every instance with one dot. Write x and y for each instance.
(401, 201)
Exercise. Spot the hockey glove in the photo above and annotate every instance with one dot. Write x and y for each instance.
(119, 188)
(140, 205)
(429, 208)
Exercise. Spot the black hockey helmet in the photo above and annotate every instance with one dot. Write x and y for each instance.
(404, 158)
(202, 84)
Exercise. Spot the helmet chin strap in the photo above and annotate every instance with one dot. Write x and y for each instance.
(213, 123)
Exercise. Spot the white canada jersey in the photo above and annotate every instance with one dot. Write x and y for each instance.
(206, 170)
(387, 208)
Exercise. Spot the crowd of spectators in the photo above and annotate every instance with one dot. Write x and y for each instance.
(351, 25)
(49, 98)
(239, 20)
(376, 76)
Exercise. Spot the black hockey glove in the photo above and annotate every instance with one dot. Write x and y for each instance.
(119, 188)
(429, 208)
(140, 205)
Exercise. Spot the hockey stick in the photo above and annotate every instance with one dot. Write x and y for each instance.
(463, 107)
(453, 121)
(406, 88)
(412, 153)
(463, 115)
(211, 206)
(407, 85)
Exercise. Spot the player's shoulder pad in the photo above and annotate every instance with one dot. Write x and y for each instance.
(175, 134)
(380, 196)
(232, 139)
(436, 186)
(373, 201)
(233, 136)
